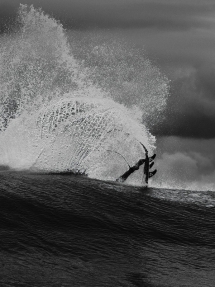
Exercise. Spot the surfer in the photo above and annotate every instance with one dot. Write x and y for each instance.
(148, 163)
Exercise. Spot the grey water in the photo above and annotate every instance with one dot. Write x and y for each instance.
(70, 230)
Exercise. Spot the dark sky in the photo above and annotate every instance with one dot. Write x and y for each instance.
(160, 14)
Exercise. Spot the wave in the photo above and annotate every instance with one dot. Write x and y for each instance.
(70, 109)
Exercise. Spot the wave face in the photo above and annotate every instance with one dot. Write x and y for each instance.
(63, 108)
(61, 230)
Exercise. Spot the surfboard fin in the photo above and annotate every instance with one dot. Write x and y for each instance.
(151, 158)
(151, 165)
(151, 173)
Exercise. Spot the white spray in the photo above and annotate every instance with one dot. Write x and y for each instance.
(59, 113)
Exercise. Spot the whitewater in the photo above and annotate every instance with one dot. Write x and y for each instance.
(72, 106)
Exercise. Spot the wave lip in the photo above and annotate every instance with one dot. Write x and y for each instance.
(77, 134)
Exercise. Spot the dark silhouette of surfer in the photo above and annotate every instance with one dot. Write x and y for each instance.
(148, 164)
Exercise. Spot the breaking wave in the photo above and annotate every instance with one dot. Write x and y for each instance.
(69, 105)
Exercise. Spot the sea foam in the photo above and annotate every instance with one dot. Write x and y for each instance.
(67, 108)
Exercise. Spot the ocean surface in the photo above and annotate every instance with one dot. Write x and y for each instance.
(69, 230)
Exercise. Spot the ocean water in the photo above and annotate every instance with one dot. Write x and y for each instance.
(67, 230)
(75, 109)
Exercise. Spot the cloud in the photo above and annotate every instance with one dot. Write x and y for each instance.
(191, 107)
(184, 171)
(173, 144)
(170, 15)
(187, 59)
(129, 13)
(7, 14)
(185, 164)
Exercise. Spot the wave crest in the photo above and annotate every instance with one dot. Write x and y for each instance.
(68, 109)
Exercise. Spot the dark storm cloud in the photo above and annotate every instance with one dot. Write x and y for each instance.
(188, 59)
(119, 13)
(191, 106)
